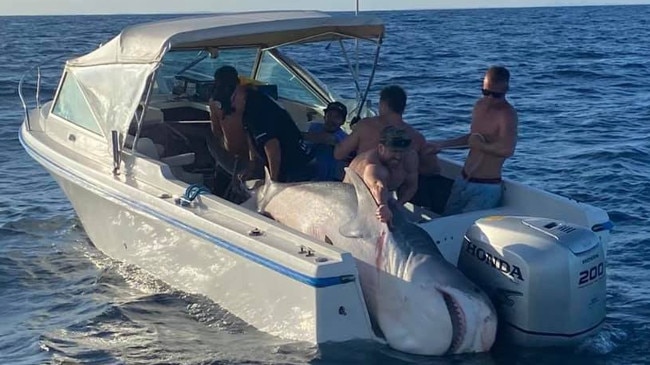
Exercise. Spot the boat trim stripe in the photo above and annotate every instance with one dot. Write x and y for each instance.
(552, 334)
(305, 279)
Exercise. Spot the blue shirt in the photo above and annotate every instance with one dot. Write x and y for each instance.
(329, 168)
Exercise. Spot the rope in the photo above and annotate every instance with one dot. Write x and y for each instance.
(192, 192)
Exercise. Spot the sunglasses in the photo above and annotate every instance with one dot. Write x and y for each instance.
(397, 143)
(493, 94)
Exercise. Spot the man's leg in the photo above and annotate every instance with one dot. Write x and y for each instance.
(457, 198)
(482, 196)
(433, 192)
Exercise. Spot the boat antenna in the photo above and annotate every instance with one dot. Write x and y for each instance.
(356, 46)
(356, 71)
(356, 118)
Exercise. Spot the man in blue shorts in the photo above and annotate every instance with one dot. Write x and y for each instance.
(491, 140)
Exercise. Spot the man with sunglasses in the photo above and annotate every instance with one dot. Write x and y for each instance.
(391, 166)
(491, 140)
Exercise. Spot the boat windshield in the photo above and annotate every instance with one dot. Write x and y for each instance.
(309, 74)
(341, 68)
(200, 65)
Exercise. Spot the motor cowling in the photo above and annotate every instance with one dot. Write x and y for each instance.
(546, 278)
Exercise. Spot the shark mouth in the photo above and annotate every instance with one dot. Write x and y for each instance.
(457, 320)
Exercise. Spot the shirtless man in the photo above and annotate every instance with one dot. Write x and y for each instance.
(226, 122)
(491, 140)
(366, 133)
(391, 166)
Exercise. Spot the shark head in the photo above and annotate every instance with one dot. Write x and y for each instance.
(422, 303)
(441, 311)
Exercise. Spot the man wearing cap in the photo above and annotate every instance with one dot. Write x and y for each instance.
(324, 136)
(391, 166)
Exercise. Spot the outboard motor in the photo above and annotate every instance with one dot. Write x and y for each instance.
(545, 277)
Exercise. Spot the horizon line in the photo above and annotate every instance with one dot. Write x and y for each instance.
(332, 11)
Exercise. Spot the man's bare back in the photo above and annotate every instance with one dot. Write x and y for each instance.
(366, 135)
(370, 130)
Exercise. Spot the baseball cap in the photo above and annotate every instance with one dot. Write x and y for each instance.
(395, 138)
(338, 107)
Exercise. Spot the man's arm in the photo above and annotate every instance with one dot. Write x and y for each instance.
(461, 141)
(506, 140)
(320, 138)
(376, 176)
(252, 160)
(348, 145)
(273, 157)
(216, 115)
(410, 186)
(456, 142)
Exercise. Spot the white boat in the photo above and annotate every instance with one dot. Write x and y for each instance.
(148, 87)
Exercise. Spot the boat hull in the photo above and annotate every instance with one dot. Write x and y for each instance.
(274, 298)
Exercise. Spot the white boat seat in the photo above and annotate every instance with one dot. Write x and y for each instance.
(147, 147)
(179, 160)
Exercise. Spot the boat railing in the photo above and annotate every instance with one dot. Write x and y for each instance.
(32, 80)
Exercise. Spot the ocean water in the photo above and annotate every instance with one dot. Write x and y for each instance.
(580, 82)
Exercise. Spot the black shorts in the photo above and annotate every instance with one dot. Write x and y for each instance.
(433, 192)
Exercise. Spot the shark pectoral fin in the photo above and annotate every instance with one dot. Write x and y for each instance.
(354, 229)
(366, 204)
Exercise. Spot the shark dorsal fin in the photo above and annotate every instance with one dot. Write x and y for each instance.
(364, 218)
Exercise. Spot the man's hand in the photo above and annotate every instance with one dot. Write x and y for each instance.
(320, 138)
(476, 140)
(248, 172)
(431, 148)
(384, 214)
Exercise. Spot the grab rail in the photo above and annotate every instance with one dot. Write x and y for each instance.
(39, 78)
(22, 97)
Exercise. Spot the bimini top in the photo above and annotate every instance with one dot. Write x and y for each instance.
(113, 78)
(147, 43)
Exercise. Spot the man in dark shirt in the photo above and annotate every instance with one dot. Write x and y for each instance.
(273, 136)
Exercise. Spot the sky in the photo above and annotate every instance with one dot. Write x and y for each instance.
(64, 7)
